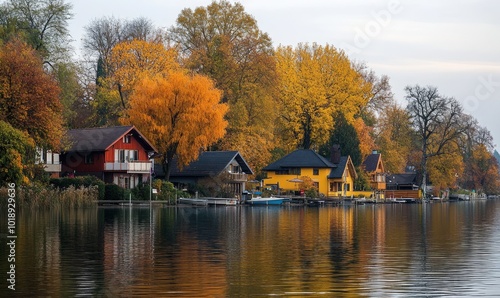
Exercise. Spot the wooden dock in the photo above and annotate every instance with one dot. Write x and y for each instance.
(127, 202)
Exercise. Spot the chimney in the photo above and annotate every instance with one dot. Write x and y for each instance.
(335, 154)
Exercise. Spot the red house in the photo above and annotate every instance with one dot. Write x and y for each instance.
(119, 155)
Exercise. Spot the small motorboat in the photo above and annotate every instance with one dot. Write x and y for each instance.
(265, 201)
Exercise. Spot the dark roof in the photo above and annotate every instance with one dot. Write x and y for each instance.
(209, 163)
(338, 172)
(100, 139)
(402, 179)
(371, 162)
(302, 158)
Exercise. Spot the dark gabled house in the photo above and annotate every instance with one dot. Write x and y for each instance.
(119, 155)
(222, 171)
(374, 167)
(406, 181)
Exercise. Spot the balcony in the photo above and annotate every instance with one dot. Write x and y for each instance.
(52, 168)
(129, 167)
(238, 177)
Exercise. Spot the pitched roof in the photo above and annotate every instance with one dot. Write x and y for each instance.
(302, 158)
(100, 139)
(371, 162)
(209, 163)
(338, 171)
(402, 179)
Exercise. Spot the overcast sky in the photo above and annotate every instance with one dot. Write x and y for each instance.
(452, 45)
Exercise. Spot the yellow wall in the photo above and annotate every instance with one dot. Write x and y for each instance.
(321, 178)
(285, 184)
(348, 180)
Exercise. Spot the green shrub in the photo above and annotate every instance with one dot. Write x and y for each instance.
(114, 192)
(167, 191)
(141, 192)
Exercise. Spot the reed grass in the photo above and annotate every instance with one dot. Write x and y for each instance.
(49, 197)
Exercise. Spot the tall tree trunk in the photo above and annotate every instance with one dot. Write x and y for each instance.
(423, 166)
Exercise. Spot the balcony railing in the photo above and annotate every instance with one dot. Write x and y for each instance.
(238, 177)
(379, 178)
(135, 166)
(52, 168)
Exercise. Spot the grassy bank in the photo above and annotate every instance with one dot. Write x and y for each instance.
(51, 197)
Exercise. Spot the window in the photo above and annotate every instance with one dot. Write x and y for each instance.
(126, 139)
(89, 158)
(332, 186)
(133, 155)
(347, 187)
(121, 155)
(126, 155)
(315, 171)
(289, 171)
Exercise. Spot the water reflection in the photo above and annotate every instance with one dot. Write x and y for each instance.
(376, 250)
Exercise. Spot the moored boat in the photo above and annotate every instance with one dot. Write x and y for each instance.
(192, 201)
(265, 201)
(223, 201)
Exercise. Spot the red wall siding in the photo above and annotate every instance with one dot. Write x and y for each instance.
(133, 145)
(76, 161)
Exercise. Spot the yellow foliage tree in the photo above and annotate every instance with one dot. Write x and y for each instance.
(444, 169)
(179, 113)
(133, 60)
(314, 83)
(394, 138)
(484, 170)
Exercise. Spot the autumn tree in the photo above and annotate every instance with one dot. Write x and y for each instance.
(179, 113)
(29, 97)
(14, 154)
(364, 133)
(224, 42)
(129, 62)
(132, 60)
(103, 34)
(445, 169)
(484, 171)
(315, 83)
(42, 23)
(380, 96)
(473, 137)
(437, 120)
(394, 137)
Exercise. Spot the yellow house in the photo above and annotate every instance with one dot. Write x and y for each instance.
(332, 179)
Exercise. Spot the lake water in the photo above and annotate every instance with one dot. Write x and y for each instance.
(439, 249)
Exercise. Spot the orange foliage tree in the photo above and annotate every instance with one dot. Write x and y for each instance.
(366, 143)
(485, 175)
(179, 113)
(29, 97)
(133, 60)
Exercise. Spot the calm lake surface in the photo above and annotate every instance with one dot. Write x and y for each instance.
(438, 249)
